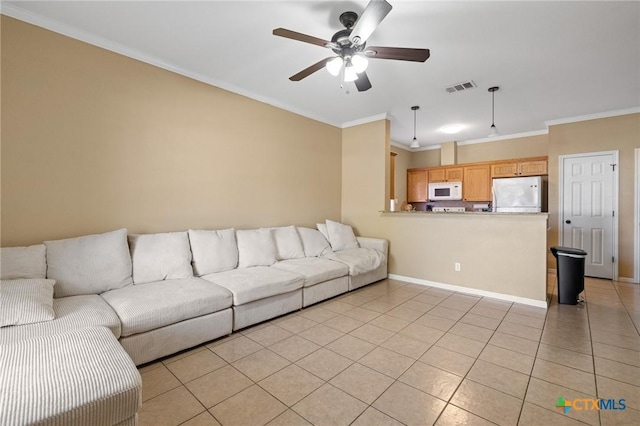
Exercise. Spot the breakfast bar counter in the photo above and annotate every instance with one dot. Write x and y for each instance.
(501, 255)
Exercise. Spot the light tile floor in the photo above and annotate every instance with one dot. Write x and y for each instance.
(396, 353)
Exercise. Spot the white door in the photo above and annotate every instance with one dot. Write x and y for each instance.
(587, 211)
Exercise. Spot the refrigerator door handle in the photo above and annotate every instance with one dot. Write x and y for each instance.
(494, 205)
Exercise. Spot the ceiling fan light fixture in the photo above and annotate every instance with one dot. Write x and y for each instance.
(359, 63)
(350, 74)
(334, 65)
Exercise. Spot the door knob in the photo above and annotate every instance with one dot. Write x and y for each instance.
(567, 221)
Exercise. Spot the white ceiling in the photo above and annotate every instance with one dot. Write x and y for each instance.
(552, 60)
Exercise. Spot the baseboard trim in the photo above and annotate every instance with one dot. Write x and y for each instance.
(627, 280)
(475, 291)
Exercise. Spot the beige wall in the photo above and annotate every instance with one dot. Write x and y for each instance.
(530, 146)
(93, 141)
(426, 158)
(621, 133)
(365, 178)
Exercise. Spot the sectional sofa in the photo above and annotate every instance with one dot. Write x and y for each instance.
(78, 315)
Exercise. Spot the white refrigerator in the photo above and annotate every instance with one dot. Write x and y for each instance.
(518, 195)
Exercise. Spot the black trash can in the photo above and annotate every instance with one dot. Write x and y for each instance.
(570, 272)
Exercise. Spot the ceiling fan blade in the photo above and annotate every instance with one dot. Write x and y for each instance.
(282, 32)
(362, 82)
(310, 70)
(371, 17)
(397, 53)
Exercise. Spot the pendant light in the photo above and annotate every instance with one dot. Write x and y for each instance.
(414, 142)
(494, 130)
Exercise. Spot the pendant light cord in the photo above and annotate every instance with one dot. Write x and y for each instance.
(493, 105)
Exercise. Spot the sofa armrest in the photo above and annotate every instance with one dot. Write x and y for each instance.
(379, 244)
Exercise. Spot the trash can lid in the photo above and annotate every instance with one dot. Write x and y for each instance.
(568, 251)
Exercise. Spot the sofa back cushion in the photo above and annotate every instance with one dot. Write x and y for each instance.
(91, 264)
(158, 257)
(341, 236)
(288, 243)
(23, 262)
(256, 247)
(213, 251)
(314, 243)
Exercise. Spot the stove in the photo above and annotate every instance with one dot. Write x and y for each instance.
(448, 209)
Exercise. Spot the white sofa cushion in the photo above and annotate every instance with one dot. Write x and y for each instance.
(288, 243)
(213, 251)
(26, 301)
(359, 260)
(341, 236)
(149, 306)
(77, 377)
(70, 313)
(322, 227)
(158, 257)
(91, 264)
(313, 242)
(250, 284)
(23, 262)
(256, 247)
(314, 270)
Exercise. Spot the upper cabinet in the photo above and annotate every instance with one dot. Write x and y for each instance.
(417, 181)
(519, 168)
(446, 174)
(475, 177)
(477, 183)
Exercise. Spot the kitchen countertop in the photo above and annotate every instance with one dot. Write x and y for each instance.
(465, 213)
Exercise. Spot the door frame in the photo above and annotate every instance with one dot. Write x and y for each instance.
(615, 196)
(636, 244)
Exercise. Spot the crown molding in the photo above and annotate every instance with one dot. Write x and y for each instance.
(504, 137)
(365, 120)
(606, 114)
(422, 148)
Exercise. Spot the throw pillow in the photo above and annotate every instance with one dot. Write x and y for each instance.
(314, 243)
(162, 256)
(341, 236)
(213, 251)
(91, 264)
(26, 301)
(256, 247)
(288, 243)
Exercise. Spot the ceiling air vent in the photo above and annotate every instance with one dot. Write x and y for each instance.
(459, 87)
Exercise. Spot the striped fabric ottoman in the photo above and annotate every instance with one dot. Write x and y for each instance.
(78, 377)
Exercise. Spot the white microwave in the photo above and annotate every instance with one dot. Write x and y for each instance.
(445, 191)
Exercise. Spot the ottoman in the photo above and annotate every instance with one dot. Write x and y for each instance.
(77, 377)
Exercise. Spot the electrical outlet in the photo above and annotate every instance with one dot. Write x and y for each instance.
(457, 266)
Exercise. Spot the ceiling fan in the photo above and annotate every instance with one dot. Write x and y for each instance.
(350, 46)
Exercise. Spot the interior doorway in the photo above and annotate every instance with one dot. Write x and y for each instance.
(588, 209)
(636, 217)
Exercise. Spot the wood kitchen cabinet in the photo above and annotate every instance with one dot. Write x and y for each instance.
(446, 174)
(519, 168)
(417, 182)
(477, 183)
